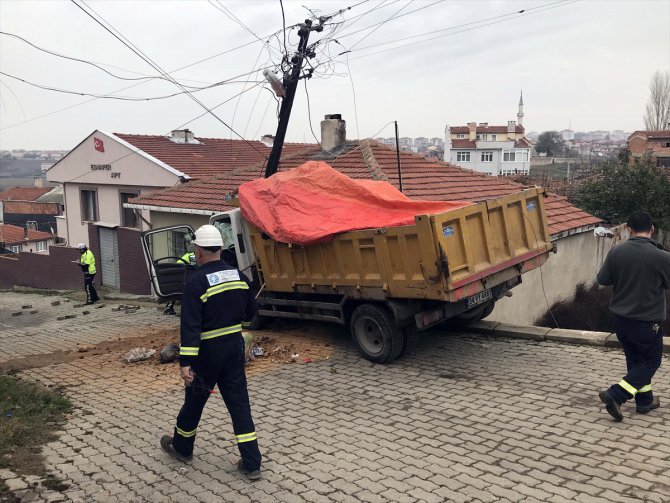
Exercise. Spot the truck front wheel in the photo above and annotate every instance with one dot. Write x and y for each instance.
(377, 335)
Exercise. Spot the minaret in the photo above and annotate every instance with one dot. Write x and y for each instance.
(519, 114)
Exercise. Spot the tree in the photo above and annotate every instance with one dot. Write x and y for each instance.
(617, 189)
(550, 142)
(657, 113)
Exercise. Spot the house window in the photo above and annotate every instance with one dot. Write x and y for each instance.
(15, 249)
(509, 156)
(487, 156)
(89, 206)
(479, 137)
(493, 137)
(663, 162)
(463, 156)
(128, 216)
(515, 155)
(484, 137)
(41, 246)
(460, 136)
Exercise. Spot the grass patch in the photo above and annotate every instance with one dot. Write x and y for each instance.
(30, 415)
(587, 311)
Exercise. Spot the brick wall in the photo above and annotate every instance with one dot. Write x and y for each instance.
(53, 271)
(133, 274)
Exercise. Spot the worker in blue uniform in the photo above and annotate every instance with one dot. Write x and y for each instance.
(639, 271)
(215, 302)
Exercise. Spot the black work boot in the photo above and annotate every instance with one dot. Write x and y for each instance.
(611, 405)
(644, 409)
(251, 475)
(166, 445)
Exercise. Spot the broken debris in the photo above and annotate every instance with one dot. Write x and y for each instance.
(138, 354)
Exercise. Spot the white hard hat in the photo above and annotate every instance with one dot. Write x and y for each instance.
(81, 246)
(207, 236)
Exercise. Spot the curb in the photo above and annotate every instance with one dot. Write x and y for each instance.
(577, 337)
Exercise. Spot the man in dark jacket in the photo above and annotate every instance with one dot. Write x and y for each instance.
(639, 271)
(215, 302)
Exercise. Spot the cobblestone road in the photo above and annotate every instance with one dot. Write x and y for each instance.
(465, 418)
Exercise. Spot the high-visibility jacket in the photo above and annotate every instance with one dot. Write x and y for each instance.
(188, 258)
(87, 262)
(215, 302)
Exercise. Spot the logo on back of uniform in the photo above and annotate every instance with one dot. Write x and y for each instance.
(218, 277)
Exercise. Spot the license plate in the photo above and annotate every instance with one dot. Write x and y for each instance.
(480, 298)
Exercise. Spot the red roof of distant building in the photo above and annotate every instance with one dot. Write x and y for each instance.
(209, 157)
(422, 179)
(652, 134)
(463, 144)
(23, 193)
(14, 235)
(485, 129)
(31, 208)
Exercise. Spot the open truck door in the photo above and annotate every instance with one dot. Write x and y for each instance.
(166, 251)
(237, 249)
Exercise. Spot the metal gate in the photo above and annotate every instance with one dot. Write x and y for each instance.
(109, 258)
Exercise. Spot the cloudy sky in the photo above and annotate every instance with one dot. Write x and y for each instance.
(424, 63)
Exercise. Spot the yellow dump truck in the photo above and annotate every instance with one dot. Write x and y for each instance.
(386, 284)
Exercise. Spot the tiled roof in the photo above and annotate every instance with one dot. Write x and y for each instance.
(422, 179)
(23, 193)
(463, 144)
(485, 129)
(651, 134)
(212, 156)
(30, 208)
(14, 235)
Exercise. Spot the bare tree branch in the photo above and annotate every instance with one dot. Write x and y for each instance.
(657, 111)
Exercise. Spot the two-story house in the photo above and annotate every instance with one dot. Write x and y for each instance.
(493, 150)
(654, 145)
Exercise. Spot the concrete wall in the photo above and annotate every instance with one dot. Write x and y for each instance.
(109, 209)
(578, 260)
(133, 273)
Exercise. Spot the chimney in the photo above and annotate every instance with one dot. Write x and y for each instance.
(511, 130)
(333, 131)
(183, 136)
(38, 182)
(472, 127)
(268, 140)
(483, 124)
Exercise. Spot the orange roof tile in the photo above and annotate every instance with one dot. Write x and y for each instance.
(31, 208)
(485, 129)
(212, 156)
(15, 235)
(23, 193)
(422, 179)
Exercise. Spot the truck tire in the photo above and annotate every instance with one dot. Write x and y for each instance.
(410, 338)
(464, 320)
(256, 323)
(376, 333)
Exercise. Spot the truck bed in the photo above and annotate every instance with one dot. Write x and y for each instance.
(444, 257)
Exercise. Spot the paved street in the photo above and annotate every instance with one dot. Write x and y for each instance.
(466, 418)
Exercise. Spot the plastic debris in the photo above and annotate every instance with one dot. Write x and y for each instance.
(10, 413)
(256, 351)
(295, 355)
(169, 353)
(138, 354)
(307, 360)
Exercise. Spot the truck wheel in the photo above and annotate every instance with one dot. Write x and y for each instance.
(464, 320)
(410, 338)
(376, 333)
(256, 323)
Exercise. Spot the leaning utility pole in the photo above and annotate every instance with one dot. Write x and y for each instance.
(290, 84)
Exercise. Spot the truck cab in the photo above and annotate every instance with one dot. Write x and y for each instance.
(165, 249)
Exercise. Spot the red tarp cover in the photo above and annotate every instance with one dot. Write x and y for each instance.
(309, 204)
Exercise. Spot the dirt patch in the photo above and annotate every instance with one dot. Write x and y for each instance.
(280, 345)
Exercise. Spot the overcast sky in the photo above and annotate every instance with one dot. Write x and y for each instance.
(586, 63)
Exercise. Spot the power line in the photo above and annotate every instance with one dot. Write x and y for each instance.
(283, 21)
(96, 65)
(110, 97)
(522, 12)
(379, 25)
(144, 57)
